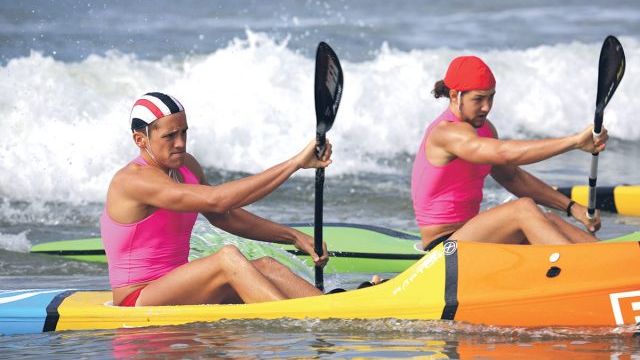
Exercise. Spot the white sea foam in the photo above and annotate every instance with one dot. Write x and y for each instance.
(250, 105)
(15, 242)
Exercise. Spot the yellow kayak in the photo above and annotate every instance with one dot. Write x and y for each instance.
(510, 285)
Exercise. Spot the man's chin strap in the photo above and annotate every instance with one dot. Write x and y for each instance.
(173, 174)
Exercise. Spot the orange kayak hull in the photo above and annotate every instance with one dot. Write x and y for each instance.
(575, 285)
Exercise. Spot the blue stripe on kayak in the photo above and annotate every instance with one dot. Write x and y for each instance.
(24, 311)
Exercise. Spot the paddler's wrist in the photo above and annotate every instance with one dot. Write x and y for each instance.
(294, 164)
(289, 236)
(575, 141)
(569, 208)
(300, 239)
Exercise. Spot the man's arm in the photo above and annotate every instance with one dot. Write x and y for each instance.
(521, 183)
(247, 225)
(461, 140)
(148, 185)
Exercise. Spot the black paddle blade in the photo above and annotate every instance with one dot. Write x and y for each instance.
(610, 72)
(328, 88)
(328, 91)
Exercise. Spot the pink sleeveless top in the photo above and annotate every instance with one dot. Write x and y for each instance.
(450, 193)
(147, 249)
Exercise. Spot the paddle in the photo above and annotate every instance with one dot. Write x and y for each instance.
(610, 71)
(328, 91)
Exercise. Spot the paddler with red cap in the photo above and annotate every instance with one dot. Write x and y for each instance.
(461, 147)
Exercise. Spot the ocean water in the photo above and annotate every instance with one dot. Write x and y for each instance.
(244, 71)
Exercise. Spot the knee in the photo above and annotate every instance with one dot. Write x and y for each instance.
(229, 250)
(553, 217)
(266, 262)
(526, 206)
(229, 253)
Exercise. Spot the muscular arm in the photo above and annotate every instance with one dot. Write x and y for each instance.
(148, 185)
(156, 189)
(247, 225)
(461, 140)
(523, 184)
(242, 223)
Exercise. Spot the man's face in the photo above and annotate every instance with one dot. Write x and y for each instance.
(475, 106)
(169, 140)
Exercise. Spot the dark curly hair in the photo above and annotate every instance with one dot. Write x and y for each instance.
(440, 89)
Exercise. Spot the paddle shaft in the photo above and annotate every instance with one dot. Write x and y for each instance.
(593, 174)
(597, 129)
(317, 229)
(327, 92)
(611, 67)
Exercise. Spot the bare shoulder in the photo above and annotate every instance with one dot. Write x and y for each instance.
(130, 189)
(124, 185)
(447, 132)
(194, 166)
(127, 175)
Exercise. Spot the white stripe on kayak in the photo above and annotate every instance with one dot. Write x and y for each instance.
(8, 299)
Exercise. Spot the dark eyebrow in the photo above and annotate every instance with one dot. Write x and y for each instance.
(172, 132)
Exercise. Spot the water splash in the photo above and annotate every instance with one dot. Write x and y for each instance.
(250, 105)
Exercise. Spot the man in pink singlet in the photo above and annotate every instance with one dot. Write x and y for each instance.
(461, 147)
(151, 207)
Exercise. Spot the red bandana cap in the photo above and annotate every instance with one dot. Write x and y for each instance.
(469, 73)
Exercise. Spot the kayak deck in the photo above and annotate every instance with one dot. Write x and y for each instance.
(505, 285)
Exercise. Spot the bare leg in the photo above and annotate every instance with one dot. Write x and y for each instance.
(290, 284)
(215, 279)
(516, 222)
(571, 232)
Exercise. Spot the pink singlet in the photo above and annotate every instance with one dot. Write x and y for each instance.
(450, 193)
(147, 249)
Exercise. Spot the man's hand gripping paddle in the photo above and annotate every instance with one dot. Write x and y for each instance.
(610, 72)
(328, 91)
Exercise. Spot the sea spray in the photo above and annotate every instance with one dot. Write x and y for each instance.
(250, 105)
